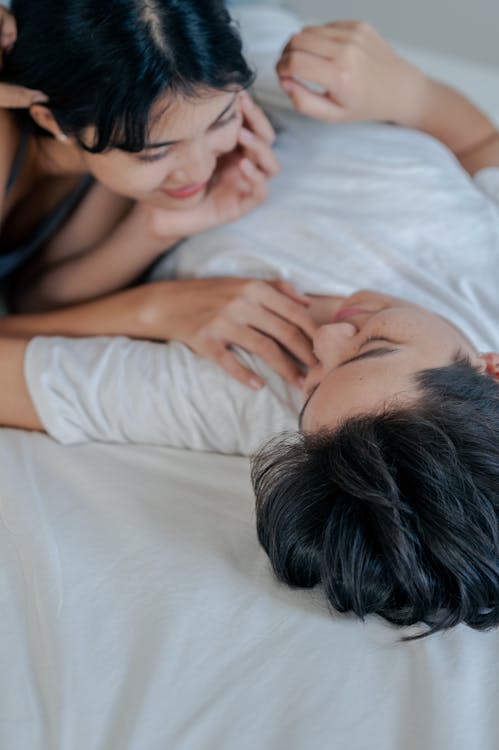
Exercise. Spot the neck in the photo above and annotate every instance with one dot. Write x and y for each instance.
(57, 159)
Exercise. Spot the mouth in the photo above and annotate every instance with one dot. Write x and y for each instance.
(186, 192)
(348, 312)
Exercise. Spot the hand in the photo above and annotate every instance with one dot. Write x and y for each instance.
(239, 185)
(269, 319)
(14, 97)
(360, 76)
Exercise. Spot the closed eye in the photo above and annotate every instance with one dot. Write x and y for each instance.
(148, 158)
(223, 123)
(380, 351)
(378, 338)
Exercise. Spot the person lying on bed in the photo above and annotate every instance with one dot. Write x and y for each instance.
(102, 172)
(389, 493)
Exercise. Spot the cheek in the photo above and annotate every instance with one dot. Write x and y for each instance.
(129, 179)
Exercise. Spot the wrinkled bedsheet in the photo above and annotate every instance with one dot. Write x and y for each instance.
(139, 613)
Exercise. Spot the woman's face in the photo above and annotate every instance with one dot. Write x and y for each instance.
(368, 356)
(185, 143)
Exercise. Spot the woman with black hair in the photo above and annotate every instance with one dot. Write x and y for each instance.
(385, 489)
(143, 135)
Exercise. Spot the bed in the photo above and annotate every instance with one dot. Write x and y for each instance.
(139, 612)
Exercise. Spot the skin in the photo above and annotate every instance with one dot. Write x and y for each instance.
(367, 360)
(362, 79)
(219, 140)
(335, 388)
(134, 187)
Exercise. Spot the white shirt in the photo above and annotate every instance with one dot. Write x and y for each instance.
(358, 206)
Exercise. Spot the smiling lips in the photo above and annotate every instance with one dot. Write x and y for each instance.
(186, 192)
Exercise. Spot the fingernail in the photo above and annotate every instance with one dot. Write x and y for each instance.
(247, 136)
(257, 385)
(39, 97)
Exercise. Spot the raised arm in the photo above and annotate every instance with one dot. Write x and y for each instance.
(360, 77)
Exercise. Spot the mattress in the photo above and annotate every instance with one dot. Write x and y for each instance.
(139, 613)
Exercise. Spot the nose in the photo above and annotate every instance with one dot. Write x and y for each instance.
(198, 165)
(332, 341)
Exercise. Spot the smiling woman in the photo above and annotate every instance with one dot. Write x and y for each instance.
(139, 134)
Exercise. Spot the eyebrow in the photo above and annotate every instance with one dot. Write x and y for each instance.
(381, 351)
(163, 144)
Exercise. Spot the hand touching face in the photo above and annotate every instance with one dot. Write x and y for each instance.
(368, 357)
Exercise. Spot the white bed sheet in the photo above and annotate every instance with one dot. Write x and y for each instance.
(139, 613)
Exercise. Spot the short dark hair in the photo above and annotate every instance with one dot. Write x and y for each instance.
(105, 63)
(395, 514)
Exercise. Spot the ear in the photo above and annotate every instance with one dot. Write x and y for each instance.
(490, 363)
(46, 120)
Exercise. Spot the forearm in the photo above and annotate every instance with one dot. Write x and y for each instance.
(127, 313)
(447, 115)
(16, 407)
(94, 272)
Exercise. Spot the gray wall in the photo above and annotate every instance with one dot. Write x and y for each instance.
(458, 27)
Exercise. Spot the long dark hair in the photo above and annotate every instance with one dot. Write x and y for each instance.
(104, 63)
(394, 514)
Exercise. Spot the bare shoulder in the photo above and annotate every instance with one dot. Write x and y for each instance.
(94, 220)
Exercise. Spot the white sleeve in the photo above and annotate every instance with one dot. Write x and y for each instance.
(487, 180)
(121, 391)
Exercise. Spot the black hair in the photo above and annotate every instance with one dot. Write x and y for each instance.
(396, 513)
(105, 63)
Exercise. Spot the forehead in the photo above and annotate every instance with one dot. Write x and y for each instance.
(361, 387)
(183, 117)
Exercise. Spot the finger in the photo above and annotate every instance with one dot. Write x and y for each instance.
(256, 179)
(225, 359)
(272, 354)
(18, 97)
(361, 27)
(307, 102)
(256, 120)
(310, 68)
(260, 152)
(244, 187)
(281, 304)
(315, 42)
(286, 288)
(291, 338)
